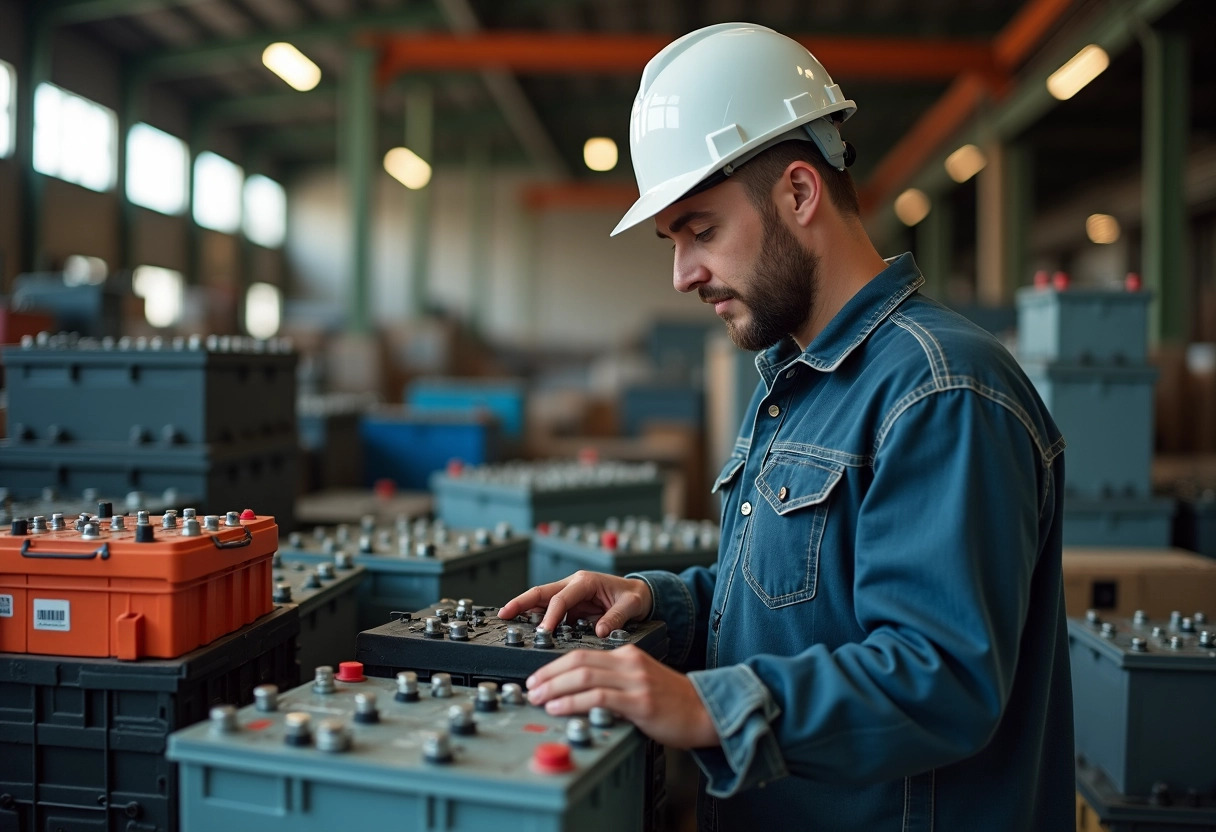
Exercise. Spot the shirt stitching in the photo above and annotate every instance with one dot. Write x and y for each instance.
(931, 346)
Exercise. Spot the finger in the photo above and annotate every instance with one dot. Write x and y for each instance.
(578, 680)
(583, 701)
(571, 662)
(535, 598)
(615, 617)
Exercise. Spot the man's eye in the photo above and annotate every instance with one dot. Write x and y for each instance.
(705, 236)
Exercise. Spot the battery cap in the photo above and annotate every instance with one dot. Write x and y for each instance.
(351, 672)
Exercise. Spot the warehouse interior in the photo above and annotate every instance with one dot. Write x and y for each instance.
(344, 267)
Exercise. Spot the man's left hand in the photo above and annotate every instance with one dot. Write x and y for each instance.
(661, 702)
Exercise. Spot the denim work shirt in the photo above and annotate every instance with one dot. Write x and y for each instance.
(882, 643)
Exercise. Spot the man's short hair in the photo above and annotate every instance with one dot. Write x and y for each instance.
(759, 174)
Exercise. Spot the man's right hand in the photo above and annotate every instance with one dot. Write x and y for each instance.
(613, 599)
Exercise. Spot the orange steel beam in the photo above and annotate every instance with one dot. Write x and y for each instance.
(1026, 30)
(938, 123)
(571, 53)
(1010, 47)
(579, 195)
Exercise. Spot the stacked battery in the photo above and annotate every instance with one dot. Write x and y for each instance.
(413, 561)
(526, 493)
(1085, 352)
(1142, 689)
(347, 751)
(619, 547)
(211, 417)
(326, 593)
(116, 630)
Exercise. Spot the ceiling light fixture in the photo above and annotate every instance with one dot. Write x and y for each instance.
(1078, 71)
(292, 65)
(965, 163)
(912, 206)
(407, 167)
(600, 153)
(1102, 229)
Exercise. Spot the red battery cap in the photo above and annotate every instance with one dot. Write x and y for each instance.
(588, 455)
(542, 528)
(551, 758)
(249, 514)
(608, 539)
(1059, 281)
(1132, 282)
(384, 488)
(455, 467)
(350, 672)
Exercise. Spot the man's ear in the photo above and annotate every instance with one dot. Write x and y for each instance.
(805, 186)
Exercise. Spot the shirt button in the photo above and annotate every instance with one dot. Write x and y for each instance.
(783, 493)
(773, 410)
(745, 509)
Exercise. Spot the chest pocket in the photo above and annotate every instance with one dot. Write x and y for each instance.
(781, 558)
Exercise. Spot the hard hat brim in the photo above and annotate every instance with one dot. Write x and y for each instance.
(660, 197)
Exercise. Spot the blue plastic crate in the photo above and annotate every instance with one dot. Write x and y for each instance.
(1140, 522)
(407, 446)
(524, 494)
(1083, 325)
(1106, 416)
(505, 398)
(502, 773)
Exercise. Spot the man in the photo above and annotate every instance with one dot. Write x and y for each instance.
(882, 643)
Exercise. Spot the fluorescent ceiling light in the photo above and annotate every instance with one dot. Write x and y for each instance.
(1080, 69)
(965, 163)
(600, 153)
(292, 65)
(912, 206)
(407, 167)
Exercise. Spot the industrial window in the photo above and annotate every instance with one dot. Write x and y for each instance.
(74, 138)
(162, 291)
(8, 109)
(217, 193)
(158, 167)
(263, 310)
(265, 218)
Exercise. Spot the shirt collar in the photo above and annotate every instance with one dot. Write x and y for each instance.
(852, 324)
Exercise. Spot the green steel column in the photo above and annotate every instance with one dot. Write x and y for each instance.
(481, 195)
(420, 138)
(1166, 116)
(37, 69)
(358, 147)
(933, 247)
(1019, 205)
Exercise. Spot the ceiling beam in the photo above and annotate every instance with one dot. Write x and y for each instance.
(179, 62)
(585, 196)
(567, 53)
(1028, 28)
(63, 12)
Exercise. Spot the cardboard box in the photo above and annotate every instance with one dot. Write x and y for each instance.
(1123, 580)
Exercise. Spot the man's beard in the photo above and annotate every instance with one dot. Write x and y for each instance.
(780, 290)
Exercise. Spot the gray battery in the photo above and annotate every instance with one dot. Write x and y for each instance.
(1141, 694)
(619, 547)
(1162, 811)
(360, 758)
(526, 493)
(326, 595)
(411, 563)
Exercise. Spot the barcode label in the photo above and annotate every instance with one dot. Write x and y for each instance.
(52, 615)
(6, 606)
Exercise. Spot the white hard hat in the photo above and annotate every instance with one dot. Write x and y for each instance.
(718, 96)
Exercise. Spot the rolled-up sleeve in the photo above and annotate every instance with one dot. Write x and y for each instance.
(742, 710)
